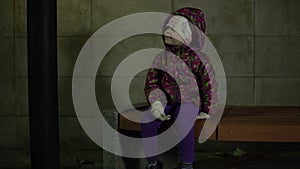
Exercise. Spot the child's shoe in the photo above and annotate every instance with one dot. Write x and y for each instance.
(184, 166)
(154, 165)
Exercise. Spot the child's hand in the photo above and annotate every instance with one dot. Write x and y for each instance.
(203, 115)
(157, 110)
(160, 115)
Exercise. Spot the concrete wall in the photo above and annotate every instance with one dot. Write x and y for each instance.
(257, 41)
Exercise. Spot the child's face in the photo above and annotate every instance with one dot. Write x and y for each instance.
(172, 37)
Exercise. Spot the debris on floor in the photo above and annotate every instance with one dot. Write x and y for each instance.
(239, 152)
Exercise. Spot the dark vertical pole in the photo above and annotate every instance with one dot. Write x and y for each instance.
(42, 81)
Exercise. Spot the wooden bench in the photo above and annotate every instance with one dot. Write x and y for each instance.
(245, 123)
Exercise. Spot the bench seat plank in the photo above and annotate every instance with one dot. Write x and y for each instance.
(261, 124)
(246, 123)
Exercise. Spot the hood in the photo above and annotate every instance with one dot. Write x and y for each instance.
(194, 16)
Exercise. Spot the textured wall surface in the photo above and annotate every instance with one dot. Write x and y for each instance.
(257, 41)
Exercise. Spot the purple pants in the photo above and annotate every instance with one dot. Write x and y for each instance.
(185, 146)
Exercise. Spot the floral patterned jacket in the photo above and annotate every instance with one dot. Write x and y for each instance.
(190, 67)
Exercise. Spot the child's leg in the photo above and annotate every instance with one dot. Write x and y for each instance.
(186, 146)
(150, 130)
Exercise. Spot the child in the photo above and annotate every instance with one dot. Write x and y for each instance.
(182, 39)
